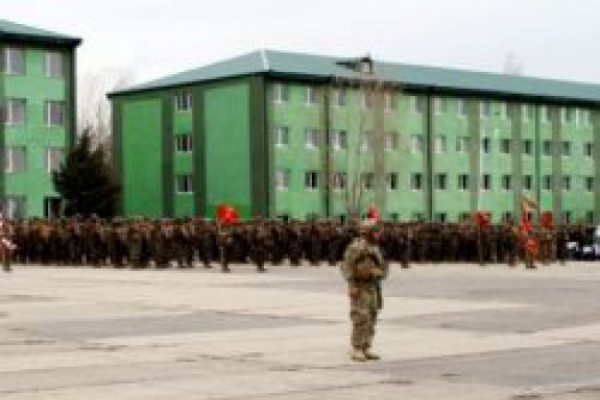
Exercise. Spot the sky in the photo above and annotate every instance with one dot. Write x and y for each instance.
(147, 39)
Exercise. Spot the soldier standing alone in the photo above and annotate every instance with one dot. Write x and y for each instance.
(364, 268)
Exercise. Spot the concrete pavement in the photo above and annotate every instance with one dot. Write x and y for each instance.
(447, 332)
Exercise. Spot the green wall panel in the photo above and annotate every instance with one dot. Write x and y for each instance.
(226, 130)
(142, 158)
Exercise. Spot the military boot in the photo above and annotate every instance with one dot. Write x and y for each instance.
(370, 355)
(358, 355)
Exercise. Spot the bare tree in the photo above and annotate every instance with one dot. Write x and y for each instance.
(365, 173)
(94, 111)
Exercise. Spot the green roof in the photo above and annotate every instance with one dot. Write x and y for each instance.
(13, 31)
(317, 67)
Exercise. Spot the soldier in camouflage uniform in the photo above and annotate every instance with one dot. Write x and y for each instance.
(364, 268)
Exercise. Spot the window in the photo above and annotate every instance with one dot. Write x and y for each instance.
(183, 102)
(547, 182)
(568, 115)
(311, 95)
(527, 112)
(503, 110)
(417, 105)
(282, 136)
(566, 183)
(485, 145)
(505, 146)
(366, 141)
(462, 108)
(439, 105)
(583, 117)
(15, 159)
(485, 109)
(464, 216)
(391, 181)
(544, 114)
(547, 147)
(311, 180)
(440, 217)
(390, 141)
(506, 182)
(486, 182)
(527, 146)
(13, 61)
(312, 139)
(588, 149)
(566, 149)
(184, 143)
(282, 179)
(507, 216)
(53, 65)
(339, 140)
(367, 100)
(440, 144)
(13, 111)
(389, 100)
(54, 157)
(462, 144)
(55, 113)
(416, 143)
(567, 216)
(528, 182)
(416, 181)
(339, 96)
(339, 180)
(368, 180)
(440, 181)
(184, 184)
(280, 93)
(463, 182)
(14, 207)
(589, 183)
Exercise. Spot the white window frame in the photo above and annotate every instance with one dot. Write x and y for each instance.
(184, 184)
(339, 181)
(312, 138)
(49, 71)
(462, 108)
(339, 140)
(282, 179)
(440, 144)
(9, 111)
(528, 182)
(184, 143)
(282, 136)
(339, 97)
(441, 181)
(184, 102)
(547, 181)
(414, 180)
(14, 206)
(310, 96)
(8, 58)
(486, 182)
(485, 109)
(390, 141)
(48, 159)
(416, 144)
(507, 183)
(590, 183)
(50, 109)
(311, 180)
(367, 180)
(9, 159)
(389, 102)
(280, 93)
(392, 181)
(463, 182)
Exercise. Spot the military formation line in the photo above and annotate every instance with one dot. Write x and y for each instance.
(188, 243)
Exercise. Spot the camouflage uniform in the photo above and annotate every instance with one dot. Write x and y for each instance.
(364, 269)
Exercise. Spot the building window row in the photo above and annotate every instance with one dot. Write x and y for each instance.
(184, 143)
(14, 62)
(14, 112)
(183, 101)
(15, 159)
(184, 183)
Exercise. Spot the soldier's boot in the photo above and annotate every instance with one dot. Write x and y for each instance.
(370, 355)
(225, 268)
(358, 354)
(6, 267)
(260, 267)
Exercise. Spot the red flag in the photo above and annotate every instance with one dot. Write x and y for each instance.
(547, 219)
(373, 213)
(227, 214)
(483, 218)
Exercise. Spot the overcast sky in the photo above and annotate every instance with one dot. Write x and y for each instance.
(152, 38)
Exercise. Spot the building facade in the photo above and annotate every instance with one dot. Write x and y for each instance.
(283, 134)
(37, 116)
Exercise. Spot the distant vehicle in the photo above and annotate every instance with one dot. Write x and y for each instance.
(587, 248)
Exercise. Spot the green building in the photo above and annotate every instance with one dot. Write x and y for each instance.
(284, 134)
(37, 116)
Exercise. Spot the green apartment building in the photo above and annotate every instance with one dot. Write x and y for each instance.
(37, 116)
(297, 135)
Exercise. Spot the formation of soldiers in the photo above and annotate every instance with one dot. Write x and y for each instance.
(186, 243)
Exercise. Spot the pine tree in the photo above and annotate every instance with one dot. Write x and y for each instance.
(86, 182)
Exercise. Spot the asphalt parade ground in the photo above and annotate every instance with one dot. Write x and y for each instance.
(446, 332)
